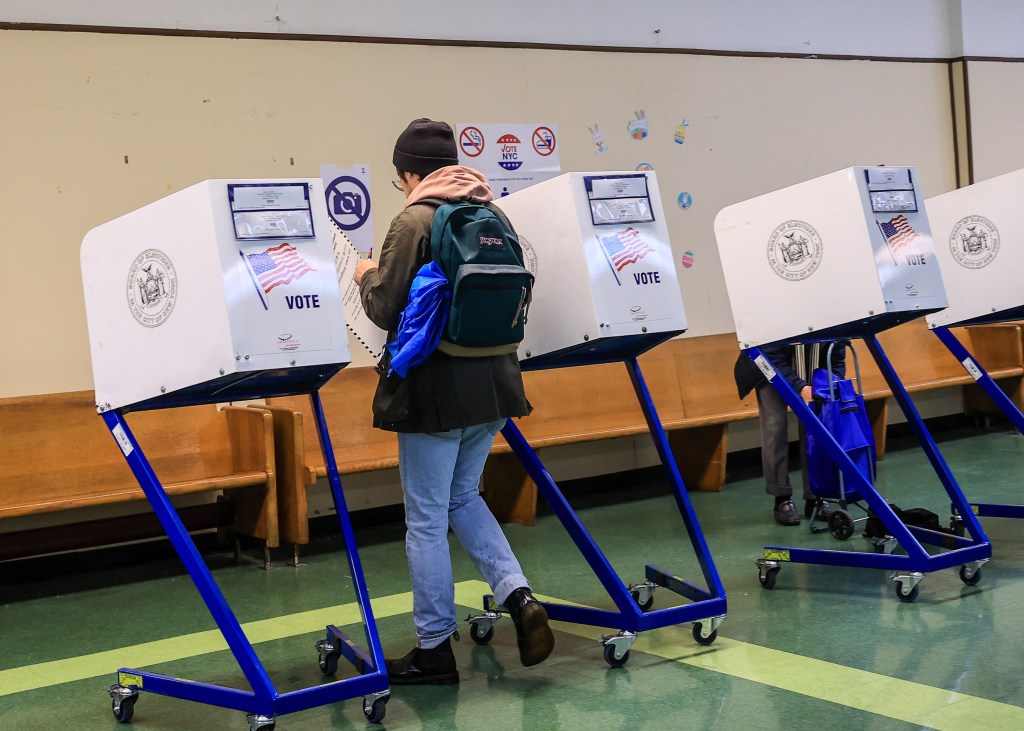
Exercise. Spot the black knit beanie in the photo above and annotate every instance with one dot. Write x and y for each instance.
(425, 146)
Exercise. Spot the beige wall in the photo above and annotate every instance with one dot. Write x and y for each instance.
(996, 91)
(188, 109)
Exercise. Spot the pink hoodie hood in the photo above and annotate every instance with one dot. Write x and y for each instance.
(454, 181)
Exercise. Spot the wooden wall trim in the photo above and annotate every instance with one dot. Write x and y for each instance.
(324, 38)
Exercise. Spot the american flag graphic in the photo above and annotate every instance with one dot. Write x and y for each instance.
(278, 265)
(625, 248)
(898, 231)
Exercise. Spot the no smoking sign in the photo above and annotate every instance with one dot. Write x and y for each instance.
(471, 140)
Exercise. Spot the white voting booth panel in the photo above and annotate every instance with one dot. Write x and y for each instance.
(821, 258)
(598, 245)
(979, 242)
(210, 289)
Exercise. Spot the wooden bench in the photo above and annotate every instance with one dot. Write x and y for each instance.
(1001, 338)
(59, 455)
(565, 411)
(358, 447)
(691, 384)
(924, 363)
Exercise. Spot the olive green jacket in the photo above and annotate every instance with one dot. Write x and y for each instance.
(445, 392)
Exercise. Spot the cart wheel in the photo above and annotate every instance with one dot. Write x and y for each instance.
(957, 526)
(907, 596)
(609, 657)
(479, 635)
(841, 524)
(377, 711)
(973, 581)
(329, 663)
(767, 578)
(701, 639)
(645, 606)
(126, 711)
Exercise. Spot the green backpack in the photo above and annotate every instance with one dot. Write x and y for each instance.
(479, 252)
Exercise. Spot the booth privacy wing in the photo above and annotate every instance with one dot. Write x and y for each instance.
(223, 291)
(836, 255)
(979, 242)
(606, 284)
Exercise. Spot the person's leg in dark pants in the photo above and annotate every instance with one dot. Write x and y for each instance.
(775, 453)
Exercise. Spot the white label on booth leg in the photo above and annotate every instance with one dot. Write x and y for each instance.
(972, 369)
(122, 440)
(765, 366)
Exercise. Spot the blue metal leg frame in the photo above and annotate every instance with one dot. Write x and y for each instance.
(962, 550)
(1001, 400)
(263, 699)
(707, 603)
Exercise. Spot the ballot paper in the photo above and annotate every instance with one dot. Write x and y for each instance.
(346, 257)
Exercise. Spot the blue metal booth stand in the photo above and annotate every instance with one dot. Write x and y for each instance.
(263, 703)
(845, 255)
(970, 554)
(959, 521)
(225, 291)
(633, 603)
(980, 227)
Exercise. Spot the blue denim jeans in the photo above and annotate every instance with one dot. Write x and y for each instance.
(441, 481)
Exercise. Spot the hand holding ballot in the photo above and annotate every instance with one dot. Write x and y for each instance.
(362, 267)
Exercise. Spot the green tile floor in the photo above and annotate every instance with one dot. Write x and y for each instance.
(828, 647)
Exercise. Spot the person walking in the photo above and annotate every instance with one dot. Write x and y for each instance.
(447, 412)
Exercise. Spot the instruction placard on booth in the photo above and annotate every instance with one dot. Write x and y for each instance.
(346, 257)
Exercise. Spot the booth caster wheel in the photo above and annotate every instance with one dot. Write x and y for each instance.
(645, 606)
(972, 579)
(329, 663)
(699, 638)
(768, 577)
(479, 634)
(122, 702)
(328, 655)
(906, 596)
(841, 524)
(124, 710)
(375, 706)
(259, 722)
(615, 662)
(616, 647)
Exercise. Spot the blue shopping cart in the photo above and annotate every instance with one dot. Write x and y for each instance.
(839, 405)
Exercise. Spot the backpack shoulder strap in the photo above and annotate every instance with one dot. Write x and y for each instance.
(500, 214)
(435, 202)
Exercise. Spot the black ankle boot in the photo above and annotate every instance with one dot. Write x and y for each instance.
(532, 632)
(435, 666)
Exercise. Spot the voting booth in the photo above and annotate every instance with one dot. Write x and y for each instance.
(223, 291)
(605, 291)
(828, 257)
(842, 256)
(979, 242)
(606, 284)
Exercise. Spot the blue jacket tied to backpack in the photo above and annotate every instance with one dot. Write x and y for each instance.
(423, 320)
